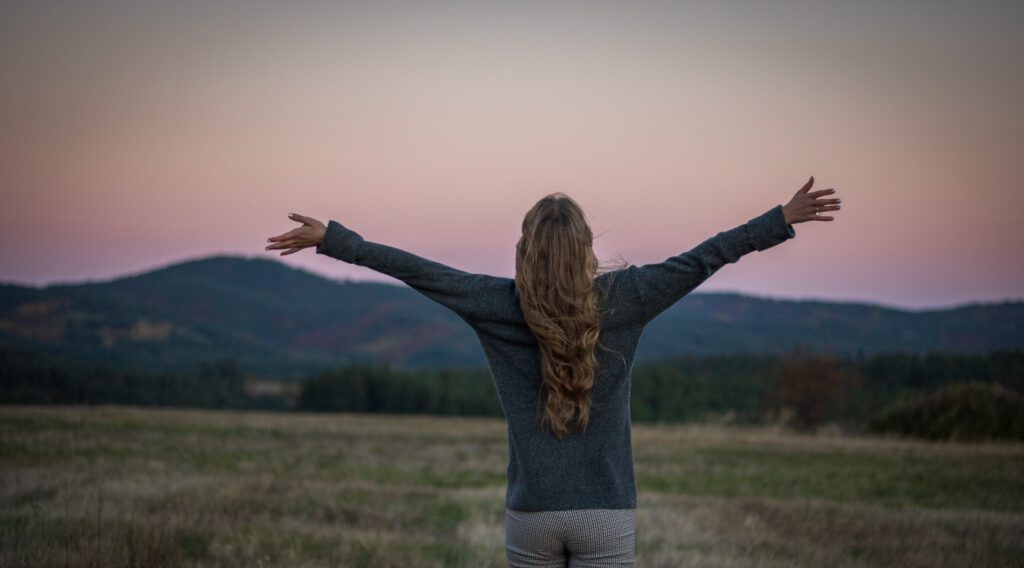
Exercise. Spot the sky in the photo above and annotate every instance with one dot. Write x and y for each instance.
(135, 135)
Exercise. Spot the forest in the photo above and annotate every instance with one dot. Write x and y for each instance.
(899, 393)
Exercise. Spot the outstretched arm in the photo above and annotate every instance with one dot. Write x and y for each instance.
(455, 289)
(659, 286)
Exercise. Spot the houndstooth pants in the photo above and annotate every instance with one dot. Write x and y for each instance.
(577, 538)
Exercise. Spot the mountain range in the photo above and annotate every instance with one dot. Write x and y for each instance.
(277, 321)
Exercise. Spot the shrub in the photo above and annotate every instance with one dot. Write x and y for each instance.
(971, 411)
(810, 386)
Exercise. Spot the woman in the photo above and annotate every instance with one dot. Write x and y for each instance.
(560, 340)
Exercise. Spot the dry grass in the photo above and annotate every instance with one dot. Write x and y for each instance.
(132, 487)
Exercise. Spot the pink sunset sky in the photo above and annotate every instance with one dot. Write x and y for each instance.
(136, 135)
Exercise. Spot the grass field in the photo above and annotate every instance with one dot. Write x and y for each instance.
(131, 487)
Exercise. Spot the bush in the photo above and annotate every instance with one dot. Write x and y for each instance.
(810, 387)
(971, 411)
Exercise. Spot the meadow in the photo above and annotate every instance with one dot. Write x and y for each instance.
(120, 486)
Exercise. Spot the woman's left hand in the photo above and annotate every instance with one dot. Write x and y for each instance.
(806, 204)
(310, 234)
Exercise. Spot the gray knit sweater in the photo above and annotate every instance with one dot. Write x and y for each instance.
(586, 470)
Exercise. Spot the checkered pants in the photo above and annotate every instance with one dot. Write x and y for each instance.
(577, 538)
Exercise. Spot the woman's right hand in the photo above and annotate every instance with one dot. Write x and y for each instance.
(806, 204)
(310, 234)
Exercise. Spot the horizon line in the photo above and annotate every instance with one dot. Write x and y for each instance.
(396, 282)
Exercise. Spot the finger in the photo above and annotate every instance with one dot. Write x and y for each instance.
(818, 208)
(807, 186)
(821, 192)
(820, 218)
(284, 244)
(290, 251)
(300, 218)
(836, 200)
(289, 235)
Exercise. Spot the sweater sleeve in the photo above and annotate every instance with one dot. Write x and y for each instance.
(659, 286)
(455, 289)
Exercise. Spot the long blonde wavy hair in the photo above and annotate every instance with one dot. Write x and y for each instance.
(555, 271)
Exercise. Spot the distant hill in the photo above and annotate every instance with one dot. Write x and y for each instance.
(279, 321)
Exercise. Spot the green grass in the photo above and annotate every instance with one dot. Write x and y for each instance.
(132, 487)
(930, 481)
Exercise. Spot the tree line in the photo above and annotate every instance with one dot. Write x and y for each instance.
(802, 388)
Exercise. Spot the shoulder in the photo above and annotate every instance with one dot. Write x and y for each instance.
(620, 298)
(497, 298)
(614, 282)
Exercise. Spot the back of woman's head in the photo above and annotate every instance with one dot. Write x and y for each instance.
(555, 271)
